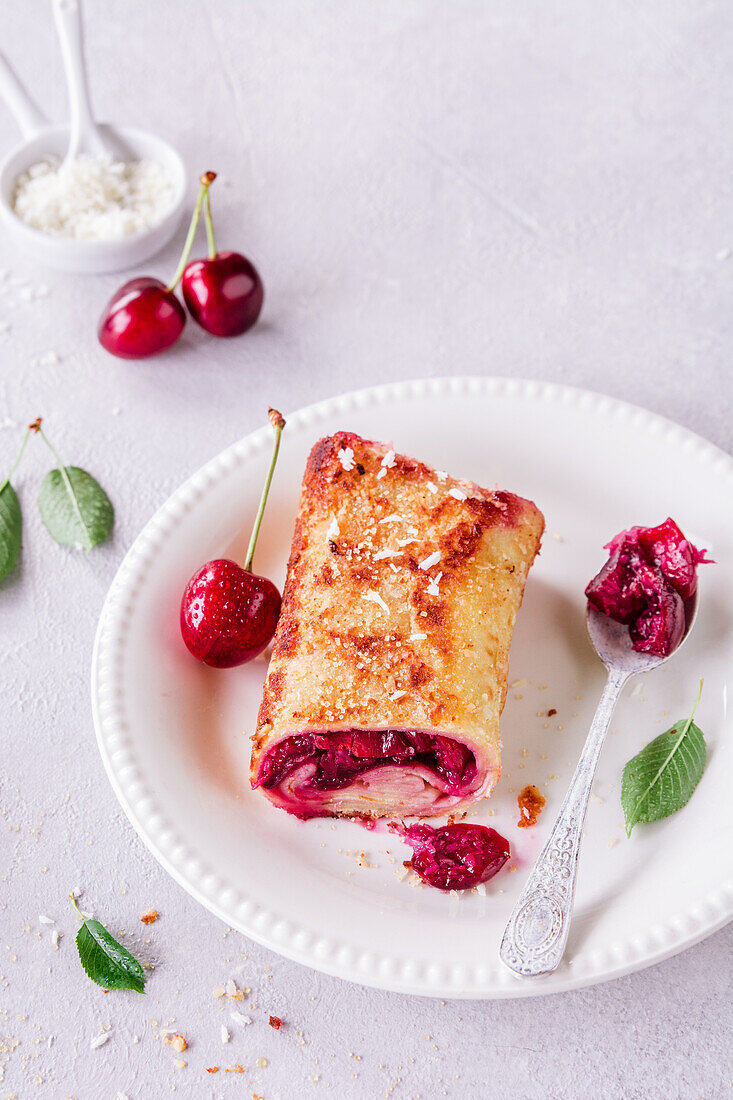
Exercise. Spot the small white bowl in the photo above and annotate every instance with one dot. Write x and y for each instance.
(88, 257)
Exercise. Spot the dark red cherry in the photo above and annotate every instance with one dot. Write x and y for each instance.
(142, 319)
(659, 629)
(674, 554)
(454, 857)
(224, 294)
(228, 615)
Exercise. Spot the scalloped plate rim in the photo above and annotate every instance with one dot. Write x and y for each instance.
(719, 901)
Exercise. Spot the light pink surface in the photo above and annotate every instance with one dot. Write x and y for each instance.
(446, 188)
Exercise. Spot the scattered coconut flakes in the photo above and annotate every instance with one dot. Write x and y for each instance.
(407, 541)
(395, 517)
(389, 459)
(396, 695)
(417, 638)
(149, 916)
(381, 473)
(374, 597)
(225, 1036)
(231, 988)
(262, 1063)
(441, 475)
(431, 487)
(55, 937)
(457, 493)
(346, 458)
(430, 560)
(481, 889)
(240, 1018)
(333, 531)
(219, 991)
(381, 554)
(48, 359)
(393, 567)
(432, 588)
(99, 1040)
(180, 1064)
(45, 920)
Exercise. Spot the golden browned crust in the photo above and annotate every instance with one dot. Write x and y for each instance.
(375, 630)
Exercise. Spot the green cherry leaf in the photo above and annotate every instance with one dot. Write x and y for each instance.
(105, 960)
(11, 528)
(75, 508)
(661, 778)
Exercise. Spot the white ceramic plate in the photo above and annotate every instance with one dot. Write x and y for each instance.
(174, 734)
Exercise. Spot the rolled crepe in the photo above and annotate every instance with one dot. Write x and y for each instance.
(389, 664)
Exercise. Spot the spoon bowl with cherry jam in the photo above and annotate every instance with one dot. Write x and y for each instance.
(641, 608)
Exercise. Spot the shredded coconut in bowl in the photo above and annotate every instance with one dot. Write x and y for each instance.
(93, 197)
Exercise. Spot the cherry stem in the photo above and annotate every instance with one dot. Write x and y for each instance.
(206, 181)
(73, 902)
(18, 457)
(64, 473)
(209, 226)
(278, 423)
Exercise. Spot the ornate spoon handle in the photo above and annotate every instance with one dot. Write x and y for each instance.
(535, 937)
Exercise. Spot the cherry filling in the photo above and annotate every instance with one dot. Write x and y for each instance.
(339, 758)
(454, 857)
(650, 573)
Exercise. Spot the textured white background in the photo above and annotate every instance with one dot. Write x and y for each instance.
(427, 188)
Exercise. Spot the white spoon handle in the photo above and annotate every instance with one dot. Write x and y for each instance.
(535, 937)
(30, 119)
(84, 135)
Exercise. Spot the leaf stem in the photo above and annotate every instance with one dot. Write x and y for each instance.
(73, 902)
(278, 423)
(206, 180)
(670, 754)
(209, 226)
(18, 457)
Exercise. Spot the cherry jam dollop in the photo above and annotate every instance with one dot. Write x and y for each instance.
(454, 857)
(650, 573)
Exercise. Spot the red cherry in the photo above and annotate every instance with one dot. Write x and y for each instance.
(143, 318)
(228, 613)
(454, 857)
(224, 293)
(228, 616)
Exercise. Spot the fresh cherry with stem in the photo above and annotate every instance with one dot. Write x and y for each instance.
(145, 317)
(228, 613)
(224, 292)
